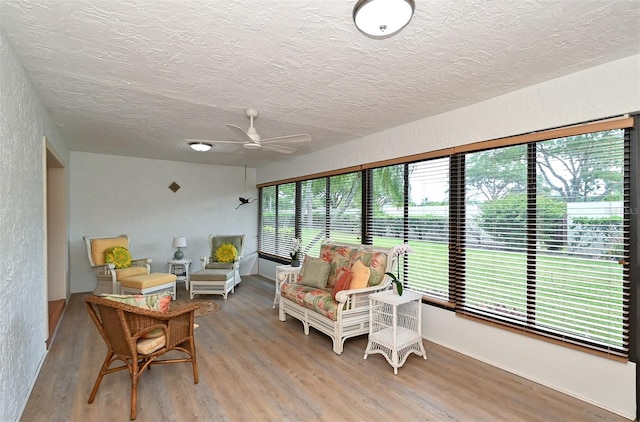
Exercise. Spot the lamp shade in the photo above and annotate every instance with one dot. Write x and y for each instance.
(382, 18)
(179, 242)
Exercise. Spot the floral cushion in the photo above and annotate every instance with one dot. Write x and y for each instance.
(338, 257)
(318, 300)
(158, 302)
(376, 261)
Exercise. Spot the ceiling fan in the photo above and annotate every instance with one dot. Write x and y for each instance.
(252, 140)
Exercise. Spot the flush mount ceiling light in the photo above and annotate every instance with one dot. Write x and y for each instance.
(380, 19)
(200, 146)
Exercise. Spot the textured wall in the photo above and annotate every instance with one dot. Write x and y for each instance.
(596, 93)
(23, 329)
(111, 195)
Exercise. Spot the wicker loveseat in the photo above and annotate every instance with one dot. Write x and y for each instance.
(348, 314)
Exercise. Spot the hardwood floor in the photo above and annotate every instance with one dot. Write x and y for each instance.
(254, 367)
(56, 307)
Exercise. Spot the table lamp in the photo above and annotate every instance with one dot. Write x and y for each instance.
(179, 242)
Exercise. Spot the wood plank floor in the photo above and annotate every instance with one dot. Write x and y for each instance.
(255, 368)
(56, 307)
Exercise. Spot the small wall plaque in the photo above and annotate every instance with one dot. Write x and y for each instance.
(174, 187)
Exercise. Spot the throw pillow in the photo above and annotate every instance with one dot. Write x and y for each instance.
(118, 256)
(226, 253)
(316, 272)
(159, 302)
(343, 281)
(361, 275)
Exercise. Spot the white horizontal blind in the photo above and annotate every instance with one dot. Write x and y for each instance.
(267, 225)
(285, 221)
(546, 239)
(495, 233)
(428, 228)
(581, 283)
(386, 202)
(345, 208)
(313, 205)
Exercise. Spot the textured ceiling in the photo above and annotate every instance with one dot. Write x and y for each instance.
(137, 77)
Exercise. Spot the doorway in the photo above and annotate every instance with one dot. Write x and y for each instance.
(56, 240)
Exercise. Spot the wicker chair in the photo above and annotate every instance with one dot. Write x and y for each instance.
(122, 326)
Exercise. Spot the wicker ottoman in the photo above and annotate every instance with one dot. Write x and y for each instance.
(149, 283)
(212, 282)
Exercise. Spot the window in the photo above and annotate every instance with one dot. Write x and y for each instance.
(277, 219)
(313, 210)
(409, 203)
(529, 232)
(267, 220)
(344, 208)
(428, 228)
(544, 235)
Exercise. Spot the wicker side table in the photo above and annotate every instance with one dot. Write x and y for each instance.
(180, 267)
(395, 329)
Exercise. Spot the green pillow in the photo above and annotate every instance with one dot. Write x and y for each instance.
(226, 253)
(118, 256)
(315, 272)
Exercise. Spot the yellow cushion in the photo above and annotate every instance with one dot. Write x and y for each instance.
(150, 345)
(118, 256)
(100, 246)
(226, 253)
(360, 275)
(147, 280)
(123, 273)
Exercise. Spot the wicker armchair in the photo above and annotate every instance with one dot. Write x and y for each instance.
(123, 328)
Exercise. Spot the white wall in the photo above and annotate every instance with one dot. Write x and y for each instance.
(600, 92)
(112, 195)
(23, 320)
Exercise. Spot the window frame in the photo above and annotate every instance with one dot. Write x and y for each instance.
(457, 243)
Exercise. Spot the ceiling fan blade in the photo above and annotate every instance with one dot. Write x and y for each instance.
(279, 148)
(240, 133)
(290, 139)
(211, 141)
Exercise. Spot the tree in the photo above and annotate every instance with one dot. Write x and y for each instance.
(388, 186)
(583, 167)
(505, 220)
(493, 173)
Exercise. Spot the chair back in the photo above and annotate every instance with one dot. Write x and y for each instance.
(97, 246)
(216, 240)
(110, 320)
